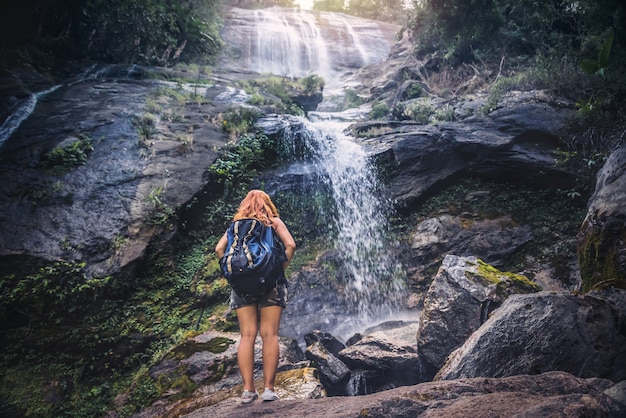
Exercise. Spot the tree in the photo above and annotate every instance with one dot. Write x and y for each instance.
(385, 10)
(329, 5)
(138, 31)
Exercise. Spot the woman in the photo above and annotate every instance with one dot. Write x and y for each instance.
(257, 204)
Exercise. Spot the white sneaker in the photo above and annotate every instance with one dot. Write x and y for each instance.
(269, 395)
(248, 396)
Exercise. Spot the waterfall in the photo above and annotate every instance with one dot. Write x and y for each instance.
(288, 44)
(374, 287)
(296, 43)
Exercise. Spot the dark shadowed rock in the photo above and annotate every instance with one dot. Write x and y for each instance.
(333, 372)
(516, 143)
(535, 333)
(395, 364)
(491, 240)
(332, 344)
(601, 240)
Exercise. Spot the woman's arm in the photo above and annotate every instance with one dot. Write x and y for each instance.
(220, 248)
(285, 236)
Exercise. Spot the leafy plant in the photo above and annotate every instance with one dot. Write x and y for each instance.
(240, 120)
(352, 99)
(57, 293)
(312, 83)
(68, 157)
(600, 65)
(379, 111)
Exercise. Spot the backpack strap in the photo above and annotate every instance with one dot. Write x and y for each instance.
(244, 243)
(246, 249)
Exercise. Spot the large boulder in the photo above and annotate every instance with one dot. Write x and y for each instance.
(602, 236)
(458, 302)
(516, 143)
(491, 240)
(142, 165)
(380, 363)
(530, 334)
(384, 357)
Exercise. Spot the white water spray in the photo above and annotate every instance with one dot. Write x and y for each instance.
(375, 281)
(288, 44)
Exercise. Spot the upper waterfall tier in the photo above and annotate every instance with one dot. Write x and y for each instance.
(295, 43)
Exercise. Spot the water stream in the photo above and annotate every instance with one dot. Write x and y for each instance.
(370, 278)
(22, 113)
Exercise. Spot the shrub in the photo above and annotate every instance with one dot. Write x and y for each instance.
(65, 158)
(379, 111)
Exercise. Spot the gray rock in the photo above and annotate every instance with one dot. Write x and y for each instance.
(459, 300)
(556, 394)
(333, 372)
(536, 333)
(395, 362)
(617, 392)
(601, 243)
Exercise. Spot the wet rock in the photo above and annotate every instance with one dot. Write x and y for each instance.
(332, 344)
(390, 363)
(491, 240)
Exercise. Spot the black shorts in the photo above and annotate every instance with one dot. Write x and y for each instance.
(276, 297)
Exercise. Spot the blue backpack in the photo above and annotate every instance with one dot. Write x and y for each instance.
(253, 260)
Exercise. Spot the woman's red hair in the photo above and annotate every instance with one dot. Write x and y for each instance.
(257, 204)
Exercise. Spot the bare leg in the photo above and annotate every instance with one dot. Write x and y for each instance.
(247, 317)
(270, 322)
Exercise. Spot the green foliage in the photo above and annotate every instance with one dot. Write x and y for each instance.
(146, 126)
(471, 30)
(384, 10)
(445, 114)
(329, 5)
(600, 65)
(312, 83)
(65, 158)
(283, 89)
(420, 112)
(145, 31)
(379, 111)
(414, 91)
(241, 161)
(56, 294)
(352, 99)
(240, 120)
(456, 27)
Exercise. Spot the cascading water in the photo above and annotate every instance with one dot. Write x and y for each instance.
(373, 278)
(296, 43)
(288, 44)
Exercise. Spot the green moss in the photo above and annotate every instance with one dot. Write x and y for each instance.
(188, 348)
(504, 281)
(598, 255)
